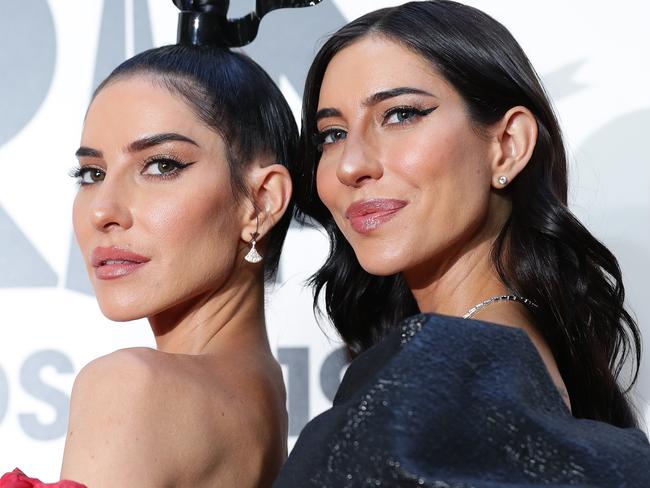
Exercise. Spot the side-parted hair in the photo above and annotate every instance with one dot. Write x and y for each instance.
(542, 253)
(236, 98)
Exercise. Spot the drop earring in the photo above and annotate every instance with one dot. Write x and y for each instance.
(253, 256)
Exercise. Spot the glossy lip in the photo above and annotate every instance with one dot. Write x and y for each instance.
(366, 215)
(113, 262)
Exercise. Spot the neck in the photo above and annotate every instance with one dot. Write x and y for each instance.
(453, 283)
(465, 277)
(458, 283)
(233, 312)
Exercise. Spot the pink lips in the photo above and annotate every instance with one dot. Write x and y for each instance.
(366, 215)
(112, 262)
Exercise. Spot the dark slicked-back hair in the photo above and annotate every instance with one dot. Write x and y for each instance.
(236, 98)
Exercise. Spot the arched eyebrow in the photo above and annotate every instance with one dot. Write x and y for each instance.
(327, 112)
(374, 99)
(393, 92)
(88, 152)
(139, 145)
(155, 139)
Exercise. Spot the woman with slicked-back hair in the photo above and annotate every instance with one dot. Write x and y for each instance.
(185, 180)
(487, 324)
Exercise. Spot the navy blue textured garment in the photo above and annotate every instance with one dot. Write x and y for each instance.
(451, 403)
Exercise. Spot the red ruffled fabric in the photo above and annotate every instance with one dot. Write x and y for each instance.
(18, 479)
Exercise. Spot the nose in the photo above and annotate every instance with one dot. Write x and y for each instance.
(358, 164)
(110, 209)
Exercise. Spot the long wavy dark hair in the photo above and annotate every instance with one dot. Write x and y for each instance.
(543, 252)
(235, 97)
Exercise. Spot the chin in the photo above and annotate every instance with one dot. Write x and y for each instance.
(120, 315)
(381, 258)
(119, 311)
(380, 266)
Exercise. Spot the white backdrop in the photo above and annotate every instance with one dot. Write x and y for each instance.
(592, 57)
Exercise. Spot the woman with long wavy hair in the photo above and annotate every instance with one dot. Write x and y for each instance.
(185, 172)
(488, 324)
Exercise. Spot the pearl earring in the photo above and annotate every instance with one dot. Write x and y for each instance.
(503, 180)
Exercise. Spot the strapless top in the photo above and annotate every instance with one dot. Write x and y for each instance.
(18, 479)
(451, 403)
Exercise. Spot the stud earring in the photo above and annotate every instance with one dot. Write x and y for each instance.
(253, 256)
(503, 180)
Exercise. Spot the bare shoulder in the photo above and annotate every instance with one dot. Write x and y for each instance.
(113, 366)
(252, 419)
(117, 425)
(124, 378)
(154, 415)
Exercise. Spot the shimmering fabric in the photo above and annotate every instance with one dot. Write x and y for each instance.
(451, 403)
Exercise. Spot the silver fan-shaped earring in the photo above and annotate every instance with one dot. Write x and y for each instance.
(253, 256)
(503, 180)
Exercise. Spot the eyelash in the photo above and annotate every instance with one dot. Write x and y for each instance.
(178, 167)
(319, 138)
(80, 171)
(419, 112)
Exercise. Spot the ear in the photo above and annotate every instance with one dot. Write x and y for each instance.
(515, 137)
(270, 190)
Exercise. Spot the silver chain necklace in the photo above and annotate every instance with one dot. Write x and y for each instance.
(512, 298)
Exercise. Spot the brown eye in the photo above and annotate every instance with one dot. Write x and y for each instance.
(88, 176)
(164, 167)
(161, 167)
